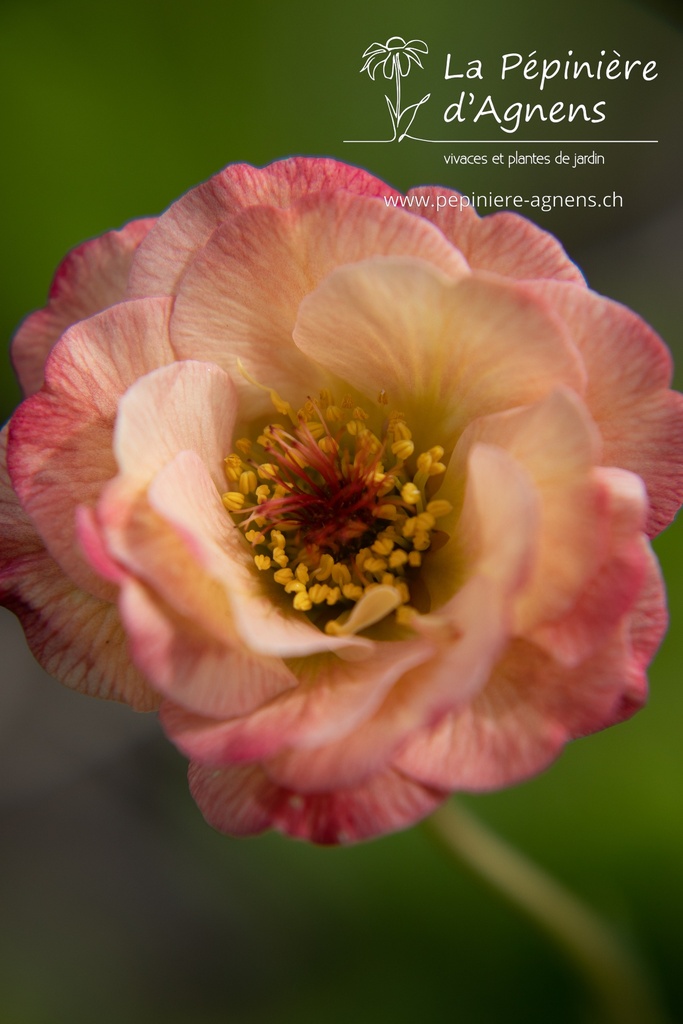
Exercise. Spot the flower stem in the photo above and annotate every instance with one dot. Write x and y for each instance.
(615, 976)
(397, 71)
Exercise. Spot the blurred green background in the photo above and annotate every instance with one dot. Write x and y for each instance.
(118, 903)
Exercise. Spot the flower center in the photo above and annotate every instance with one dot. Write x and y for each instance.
(335, 510)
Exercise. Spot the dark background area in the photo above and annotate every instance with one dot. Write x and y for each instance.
(118, 903)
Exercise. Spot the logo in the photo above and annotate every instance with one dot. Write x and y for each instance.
(395, 59)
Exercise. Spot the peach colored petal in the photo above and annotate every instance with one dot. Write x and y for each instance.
(258, 616)
(629, 373)
(530, 709)
(257, 288)
(60, 448)
(445, 352)
(618, 577)
(331, 699)
(188, 409)
(469, 633)
(501, 242)
(91, 277)
(187, 406)
(557, 444)
(75, 637)
(186, 664)
(243, 801)
(188, 223)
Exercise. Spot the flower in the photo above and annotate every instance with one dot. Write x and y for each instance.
(358, 495)
(394, 57)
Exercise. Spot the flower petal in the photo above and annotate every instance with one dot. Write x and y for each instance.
(60, 439)
(444, 352)
(93, 276)
(75, 637)
(640, 420)
(332, 698)
(163, 518)
(619, 573)
(504, 243)
(257, 288)
(188, 223)
(243, 801)
(468, 634)
(556, 443)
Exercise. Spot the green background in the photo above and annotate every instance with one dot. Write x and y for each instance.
(118, 903)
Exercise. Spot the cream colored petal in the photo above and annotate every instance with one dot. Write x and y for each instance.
(240, 297)
(444, 352)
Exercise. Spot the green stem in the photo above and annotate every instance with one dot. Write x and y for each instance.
(613, 973)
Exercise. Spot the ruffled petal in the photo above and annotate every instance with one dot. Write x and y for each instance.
(557, 444)
(504, 243)
(256, 269)
(533, 705)
(60, 448)
(619, 573)
(75, 637)
(629, 373)
(331, 699)
(468, 633)
(92, 277)
(243, 801)
(444, 352)
(188, 223)
(191, 667)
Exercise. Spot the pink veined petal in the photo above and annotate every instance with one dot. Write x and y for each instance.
(504, 243)
(617, 581)
(640, 420)
(468, 633)
(256, 268)
(191, 667)
(533, 705)
(75, 637)
(530, 709)
(444, 352)
(91, 277)
(188, 223)
(184, 496)
(60, 448)
(331, 699)
(243, 801)
(556, 442)
(176, 536)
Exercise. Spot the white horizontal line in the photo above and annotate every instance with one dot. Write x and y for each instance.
(520, 142)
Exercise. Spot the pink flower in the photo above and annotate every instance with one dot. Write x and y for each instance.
(360, 496)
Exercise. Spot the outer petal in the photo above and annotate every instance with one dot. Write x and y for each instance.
(502, 242)
(189, 222)
(75, 637)
(92, 277)
(629, 373)
(556, 443)
(60, 450)
(445, 352)
(532, 705)
(190, 666)
(332, 698)
(619, 573)
(256, 269)
(243, 801)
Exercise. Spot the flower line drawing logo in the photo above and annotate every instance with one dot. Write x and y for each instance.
(395, 58)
